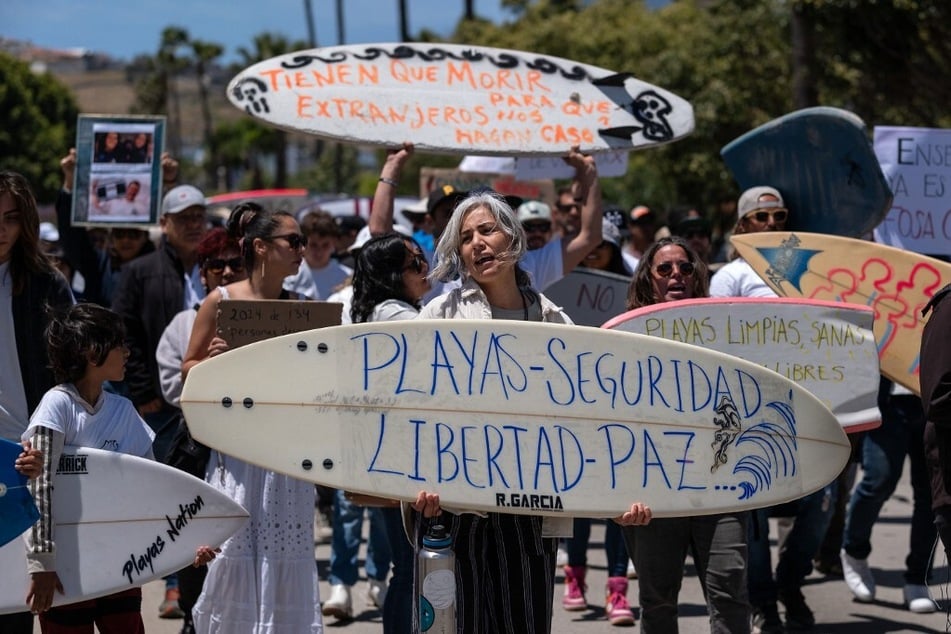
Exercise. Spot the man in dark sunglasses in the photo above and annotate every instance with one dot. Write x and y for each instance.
(762, 209)
(535, 217)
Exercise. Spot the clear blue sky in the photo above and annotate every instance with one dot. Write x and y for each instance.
(124, 28)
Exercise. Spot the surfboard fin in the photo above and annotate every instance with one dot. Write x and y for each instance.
(617, 79)
(620, 132)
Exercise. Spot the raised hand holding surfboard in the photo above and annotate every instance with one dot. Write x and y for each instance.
(459, 99)
(526, 417)
(895, 283)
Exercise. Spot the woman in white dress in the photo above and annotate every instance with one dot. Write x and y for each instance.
(265, 579)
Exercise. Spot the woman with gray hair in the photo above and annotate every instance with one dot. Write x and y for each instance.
(505, 564)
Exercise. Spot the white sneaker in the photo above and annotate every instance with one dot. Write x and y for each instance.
(631, 570)
(858, 577)
(376, 592)
(919, 600)
(339, 605)
(561, 559)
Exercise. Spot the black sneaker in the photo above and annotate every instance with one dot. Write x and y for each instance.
(766, 620)
(798, 614)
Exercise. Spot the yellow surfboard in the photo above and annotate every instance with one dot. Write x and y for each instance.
(895, 283)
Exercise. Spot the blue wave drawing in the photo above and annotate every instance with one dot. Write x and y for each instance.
(773, 452)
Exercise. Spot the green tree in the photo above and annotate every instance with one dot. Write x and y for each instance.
(39, 125)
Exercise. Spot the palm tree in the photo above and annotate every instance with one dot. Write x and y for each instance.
(170, 65)
(203, 55)
(266, 46)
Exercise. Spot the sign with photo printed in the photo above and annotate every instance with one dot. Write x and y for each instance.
(118, 170)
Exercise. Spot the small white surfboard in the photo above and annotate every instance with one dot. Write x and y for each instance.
(518, 417)
(121, 521)
(826, 347)
(459, 99)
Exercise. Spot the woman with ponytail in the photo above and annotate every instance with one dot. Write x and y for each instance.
(264, 581)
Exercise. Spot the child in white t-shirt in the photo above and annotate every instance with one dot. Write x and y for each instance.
(86, 347)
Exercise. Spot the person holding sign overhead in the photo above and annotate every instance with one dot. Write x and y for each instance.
(265, 579)
(671, 271)
(545, 265)
(505, 563)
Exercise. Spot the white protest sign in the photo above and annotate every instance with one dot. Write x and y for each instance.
(917, 164)
(541, 167)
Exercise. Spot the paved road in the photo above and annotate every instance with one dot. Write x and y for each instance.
(831, 601)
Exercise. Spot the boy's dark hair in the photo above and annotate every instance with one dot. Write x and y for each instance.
(81, 334)
(319, 223)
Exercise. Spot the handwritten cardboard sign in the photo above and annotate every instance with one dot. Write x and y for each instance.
(917, 164)
(590, 297)
(244, 321)
(459, 99)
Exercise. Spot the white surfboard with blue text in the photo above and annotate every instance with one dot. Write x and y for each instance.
(517, 417)
(120, 521)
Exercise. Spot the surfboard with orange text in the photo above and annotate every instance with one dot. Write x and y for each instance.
(459, 99)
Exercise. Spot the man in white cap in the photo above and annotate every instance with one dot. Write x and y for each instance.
(762, 209)
(535, 217)
(759, 209)
(152, 290)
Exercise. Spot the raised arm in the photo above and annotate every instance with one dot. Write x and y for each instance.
(586, 190)
(381, 215)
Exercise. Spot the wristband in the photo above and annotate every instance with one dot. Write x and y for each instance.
(389, 181)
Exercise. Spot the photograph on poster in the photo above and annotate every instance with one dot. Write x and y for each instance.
(120, 196)
(118, 174)
(123, 147)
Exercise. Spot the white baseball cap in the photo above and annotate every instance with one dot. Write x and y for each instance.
(181, 198)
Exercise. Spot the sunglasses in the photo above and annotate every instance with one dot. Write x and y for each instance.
(216, 266)
(294, 240)
(666, 269)
(566, 208)
(763, 217)
(536, 227)
(417, 264)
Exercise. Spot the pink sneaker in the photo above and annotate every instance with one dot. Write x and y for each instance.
(616, 607)
(574, 600)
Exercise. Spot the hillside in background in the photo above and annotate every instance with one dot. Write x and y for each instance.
(108, 91)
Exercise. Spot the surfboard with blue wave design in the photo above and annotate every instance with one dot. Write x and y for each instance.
(517, 417)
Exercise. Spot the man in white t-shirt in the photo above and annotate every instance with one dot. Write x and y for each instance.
(759, 209)
(321, 232)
